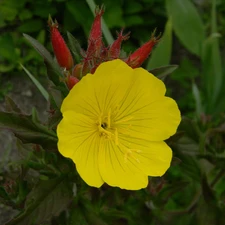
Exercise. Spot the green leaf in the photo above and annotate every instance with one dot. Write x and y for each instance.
(163, 71)
(54, 120)
(41, 36)
(187, 146)
(198, 100)
(27, 130)
(218, 161)
(59, 85)
(161, 55)
(55, 97)
(185, 73)
(212, 64)
(11, 106)
(42, 51)
(190, 166)
(37, 83)
(74, 46)
(45, 201)
(5, 156)
(187, 24)
(190, 128)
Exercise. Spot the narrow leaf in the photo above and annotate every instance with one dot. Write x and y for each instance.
(53, 69)
(190, 166)
(161, 55)
(59, 84)
(163, 71)
(190, 127)
(187, 24)
(198, 101)
(55, 97)
(11, 106)
(74, 46)
(212, 65)
(37, 83)
(40, 48)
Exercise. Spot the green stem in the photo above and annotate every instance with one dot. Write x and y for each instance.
(105, 29)
(217, 178)
(218, 78)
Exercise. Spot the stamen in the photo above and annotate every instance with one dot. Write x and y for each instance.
(129, 153)
(124, 120)
(105, 128)
(116, 137)
(109, 119)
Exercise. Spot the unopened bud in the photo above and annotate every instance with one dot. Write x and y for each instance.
(137, 58)
(71, 81)
(114, 50)
(95, 37)
(62, 52)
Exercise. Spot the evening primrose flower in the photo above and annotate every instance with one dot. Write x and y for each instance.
(114, 125)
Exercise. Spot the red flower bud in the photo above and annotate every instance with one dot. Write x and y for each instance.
(95, 37)
(77, 70)
(71, 81)
(60, 48)
(114, 50)
(141, 54)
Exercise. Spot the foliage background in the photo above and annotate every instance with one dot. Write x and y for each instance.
(193, 190)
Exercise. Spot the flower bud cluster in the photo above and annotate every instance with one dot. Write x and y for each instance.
(96, 52)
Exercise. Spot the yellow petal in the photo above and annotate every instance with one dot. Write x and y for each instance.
(79, 141)
(87, 162)
(117, 171)
(153, 158)
(98, 92)
(155, 121)
(83, 98)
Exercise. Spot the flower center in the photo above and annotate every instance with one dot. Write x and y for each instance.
(106, 128)
(104, 125)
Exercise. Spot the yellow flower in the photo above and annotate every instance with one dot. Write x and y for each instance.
(113, 127)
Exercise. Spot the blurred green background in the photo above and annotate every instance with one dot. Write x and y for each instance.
(193, 34)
